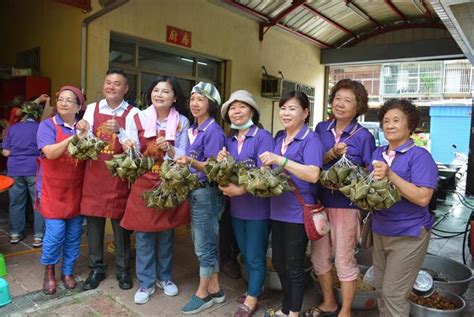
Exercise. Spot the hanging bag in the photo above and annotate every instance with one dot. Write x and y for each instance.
(316, 222)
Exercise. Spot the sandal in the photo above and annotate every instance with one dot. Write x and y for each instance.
(245, 311)
(318, 312)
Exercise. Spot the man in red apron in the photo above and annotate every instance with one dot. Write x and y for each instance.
(103, 195)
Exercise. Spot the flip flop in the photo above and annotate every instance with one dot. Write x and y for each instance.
(318, 312)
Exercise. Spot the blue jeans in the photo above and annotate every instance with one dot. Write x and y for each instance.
(154, 258)
(252, 238)
(62, 237)
(23, 185)
(207, 205)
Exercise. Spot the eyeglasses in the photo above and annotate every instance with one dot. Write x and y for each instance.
(68, 102)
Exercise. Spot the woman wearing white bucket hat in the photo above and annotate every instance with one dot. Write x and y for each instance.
(250, 214)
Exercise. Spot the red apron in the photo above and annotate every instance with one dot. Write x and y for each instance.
(104, 195)
(137, 216)
(61, 183)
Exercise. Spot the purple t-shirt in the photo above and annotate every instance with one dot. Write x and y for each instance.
(256, 142)
(20, 140)
(360, 146)
(47, 136)
(415, 165)
(305, 149)
(208, 142)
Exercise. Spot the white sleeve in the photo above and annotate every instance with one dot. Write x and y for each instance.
(131, 130)
(89, 116)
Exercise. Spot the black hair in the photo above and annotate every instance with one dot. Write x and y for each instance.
(302, 100)
(179, 104)
(213, 109)
(117, 71)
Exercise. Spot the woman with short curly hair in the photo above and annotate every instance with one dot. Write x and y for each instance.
(401, 232)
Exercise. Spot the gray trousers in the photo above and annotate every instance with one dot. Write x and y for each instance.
(95, 238)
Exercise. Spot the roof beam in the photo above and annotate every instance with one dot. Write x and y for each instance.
(359, 11)
(427, 10)
(390, 28)
(294, 5)
(396, 10)
(419, 50)
(266, 19)
(328, 20)
(265, 26)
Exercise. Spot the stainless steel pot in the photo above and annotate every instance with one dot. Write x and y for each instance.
(422, 311)
(448, 274)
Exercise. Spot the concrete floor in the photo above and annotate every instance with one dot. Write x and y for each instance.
(25, 279)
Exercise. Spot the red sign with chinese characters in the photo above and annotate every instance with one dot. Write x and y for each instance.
(178, 36)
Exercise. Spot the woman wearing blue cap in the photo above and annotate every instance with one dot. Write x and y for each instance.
(205, 139)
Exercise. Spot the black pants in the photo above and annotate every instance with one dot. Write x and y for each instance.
(289, 242)
(228, 248)
(95, 238)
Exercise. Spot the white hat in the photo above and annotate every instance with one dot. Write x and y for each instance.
(239, 95)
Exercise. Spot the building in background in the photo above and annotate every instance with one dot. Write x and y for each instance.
(441, 89)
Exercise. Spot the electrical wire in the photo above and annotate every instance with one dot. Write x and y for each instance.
(447, 237)
(464, 240)
(463, 199)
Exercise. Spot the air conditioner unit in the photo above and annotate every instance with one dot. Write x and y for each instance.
(272, 87)
(275, 87)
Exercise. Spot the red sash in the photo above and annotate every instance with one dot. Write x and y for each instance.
(137, 216)
(61, 183)
(104, 195)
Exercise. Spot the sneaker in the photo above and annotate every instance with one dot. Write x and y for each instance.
(37, 242)
(15, 238)
(169, 287)
(142, 296)
(219, 297)
(197, 305)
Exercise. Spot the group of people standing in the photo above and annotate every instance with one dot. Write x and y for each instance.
(70, 190)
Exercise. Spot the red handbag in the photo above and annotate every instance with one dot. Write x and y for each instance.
(316, 222)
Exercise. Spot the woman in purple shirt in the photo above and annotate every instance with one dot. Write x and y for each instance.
(205, 139)
(250, 214)
(299, 152)
(402, 232)
(341, 135)
(20, 146)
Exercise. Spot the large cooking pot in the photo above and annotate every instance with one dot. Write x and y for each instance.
(422, 311)
(448, 274)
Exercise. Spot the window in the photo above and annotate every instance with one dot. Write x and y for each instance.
(144, 61)
(406, 79)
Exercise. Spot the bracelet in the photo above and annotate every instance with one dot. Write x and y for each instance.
(191, 162)
(284, 162)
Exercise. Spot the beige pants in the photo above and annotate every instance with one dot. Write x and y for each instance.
(397, 261)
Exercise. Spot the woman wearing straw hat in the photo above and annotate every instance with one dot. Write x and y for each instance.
(205, 139)
(60, 184)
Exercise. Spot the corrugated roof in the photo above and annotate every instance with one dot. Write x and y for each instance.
(339, 23)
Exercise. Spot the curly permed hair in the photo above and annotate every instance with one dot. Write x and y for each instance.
(409, 109)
